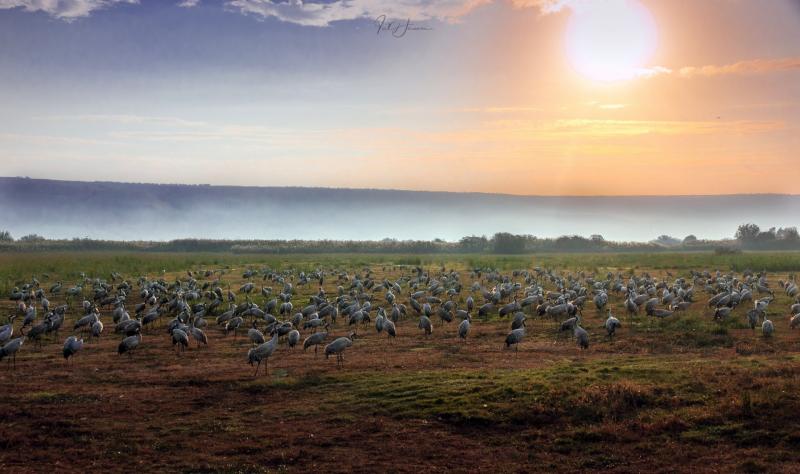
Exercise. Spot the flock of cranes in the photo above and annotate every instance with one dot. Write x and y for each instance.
(188, 308)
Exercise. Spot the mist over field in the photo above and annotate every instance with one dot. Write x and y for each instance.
(124, 211)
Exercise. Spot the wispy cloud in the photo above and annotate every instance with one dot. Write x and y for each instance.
(753, 66)
(545, 6)
(124, 119)
(63, 9)
(52, 139)
(500, 110)
(318, 13)
(747, 67)
(303, 12)
(605, 128)
(139, 128)
(653, 71)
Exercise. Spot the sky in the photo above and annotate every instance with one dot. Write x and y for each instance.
(529, 97)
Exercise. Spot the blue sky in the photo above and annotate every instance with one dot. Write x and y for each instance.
(290, 93)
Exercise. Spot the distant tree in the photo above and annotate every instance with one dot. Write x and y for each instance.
(690, 239)
(31, 238)
(5, 236)
(508, 243)
(768, 236)
(788, 234)
(667, 241)
(747, 233)
(597, 238)
(573, 242)
(473, 243)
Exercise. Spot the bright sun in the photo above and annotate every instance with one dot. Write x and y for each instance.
(610, 40)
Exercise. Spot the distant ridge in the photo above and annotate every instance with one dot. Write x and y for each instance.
(333, 188)
(135, 211)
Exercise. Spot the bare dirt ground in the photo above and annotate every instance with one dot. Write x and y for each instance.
(646, 401)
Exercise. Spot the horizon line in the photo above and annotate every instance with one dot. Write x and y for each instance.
(144, 183)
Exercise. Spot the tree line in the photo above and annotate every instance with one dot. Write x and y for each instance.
(747, 237)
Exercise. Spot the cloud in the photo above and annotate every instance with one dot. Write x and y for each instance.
(124, 119)
(315, 13)
(545, 6)
(753, 66)
(318, 13)
(653, 71)
(499, 110)
(63, 9)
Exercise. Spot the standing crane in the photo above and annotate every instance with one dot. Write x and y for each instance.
(71, 347)
(262, 352)
(338, 347)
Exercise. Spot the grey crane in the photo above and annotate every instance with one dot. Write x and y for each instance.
(581, 336)
(722, 312)
(338, 347)
(510, 308)
(379, 323)
(611, 324)
(6, 331)
(752, 318)
(255, 336)
(129, 327)
(71, 347)
(631, 307)
(261, 353)
(425, 324)
(97, 329)
(519, 320)
(569, 324)
(601, 300)
(463, 329)
(129, 344)
(515, 337)
(198, 335)
(10, 350)
(233, 325)
(30, 316)
(767, 328)
(36, 332)
(314, 324)
(315, 340)
(86, 321)
(293, 337)
(180, 338)
(390, 328)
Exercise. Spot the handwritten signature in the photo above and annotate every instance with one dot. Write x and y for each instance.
(397, 29)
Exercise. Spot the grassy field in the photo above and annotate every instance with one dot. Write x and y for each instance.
(685, 393)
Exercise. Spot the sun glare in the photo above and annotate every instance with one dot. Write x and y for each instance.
(610, 40)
